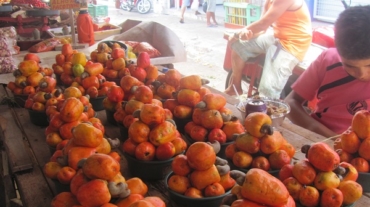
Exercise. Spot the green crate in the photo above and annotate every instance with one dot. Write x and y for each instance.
(97, 10)
(241, 14)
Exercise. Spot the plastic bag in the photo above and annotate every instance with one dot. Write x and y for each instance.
(205, 5)
(131, 43)
(195, 5)
(4, 47)
(146, 47)
(8, 42)
(45, 45)
(7, 65)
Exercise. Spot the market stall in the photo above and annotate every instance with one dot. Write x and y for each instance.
(61, 108)
(27, 153)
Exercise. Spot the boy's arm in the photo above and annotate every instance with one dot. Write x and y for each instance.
(300, 117)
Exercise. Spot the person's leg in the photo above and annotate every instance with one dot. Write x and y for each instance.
(214, 18)
(183, 9)
(276, 72)
(208, 15)
(236, 78)
(241, 52)
(211, 8)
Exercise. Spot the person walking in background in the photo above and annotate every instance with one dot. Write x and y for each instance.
(211, 8)
(284, 47)
(185, 4)
(339, 78)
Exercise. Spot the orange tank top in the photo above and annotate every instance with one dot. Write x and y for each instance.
(294, 30)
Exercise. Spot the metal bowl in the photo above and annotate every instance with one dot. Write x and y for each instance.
(276, 109)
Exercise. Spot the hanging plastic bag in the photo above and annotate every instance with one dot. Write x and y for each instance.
(205, 6)
(195, 5)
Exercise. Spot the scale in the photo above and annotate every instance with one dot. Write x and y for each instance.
(70, 5)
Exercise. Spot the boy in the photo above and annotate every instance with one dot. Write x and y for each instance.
(339, 78)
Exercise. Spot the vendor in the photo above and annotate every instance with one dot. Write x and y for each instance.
(339, 78)
(285, 45)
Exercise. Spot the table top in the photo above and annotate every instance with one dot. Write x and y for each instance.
(28, 152)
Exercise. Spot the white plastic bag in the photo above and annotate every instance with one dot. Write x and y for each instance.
(195, 5)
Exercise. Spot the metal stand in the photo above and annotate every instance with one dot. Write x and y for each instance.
(75, 45)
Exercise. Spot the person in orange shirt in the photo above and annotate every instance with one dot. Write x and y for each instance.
(285, 45)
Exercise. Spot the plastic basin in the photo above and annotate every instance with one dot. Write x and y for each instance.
(116, 80)
(364, 180)
(110, 117)
(123, 131)
(148, 170)
(38, 118)
(97, 103)
(20, 99)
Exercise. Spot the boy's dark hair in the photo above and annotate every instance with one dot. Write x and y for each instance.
(352, 30)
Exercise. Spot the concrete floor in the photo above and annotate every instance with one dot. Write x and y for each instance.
(205, 46)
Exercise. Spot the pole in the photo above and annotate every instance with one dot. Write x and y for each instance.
(73, 33)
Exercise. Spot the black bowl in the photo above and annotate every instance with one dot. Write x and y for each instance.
(20, 99)
(194, 202)
(97, 103)
(123, 131)
(364, 180)
(221, 153)
(148, 170)
(116, 80)
(180, 124)
(38, 118)
(110, 117)
(59, 81)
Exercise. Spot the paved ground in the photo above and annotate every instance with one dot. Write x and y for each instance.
(204, 45)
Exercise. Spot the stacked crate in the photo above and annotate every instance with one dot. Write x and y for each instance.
(97, 10)
(239, 13)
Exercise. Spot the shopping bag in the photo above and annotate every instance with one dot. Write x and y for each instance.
(195, 5)
(205, 5)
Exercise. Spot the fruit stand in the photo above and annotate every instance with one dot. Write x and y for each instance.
(134, 120)
(27, 153)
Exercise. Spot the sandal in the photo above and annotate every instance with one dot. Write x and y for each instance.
(182, 21)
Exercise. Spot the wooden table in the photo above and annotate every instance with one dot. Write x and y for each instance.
(26, 152)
